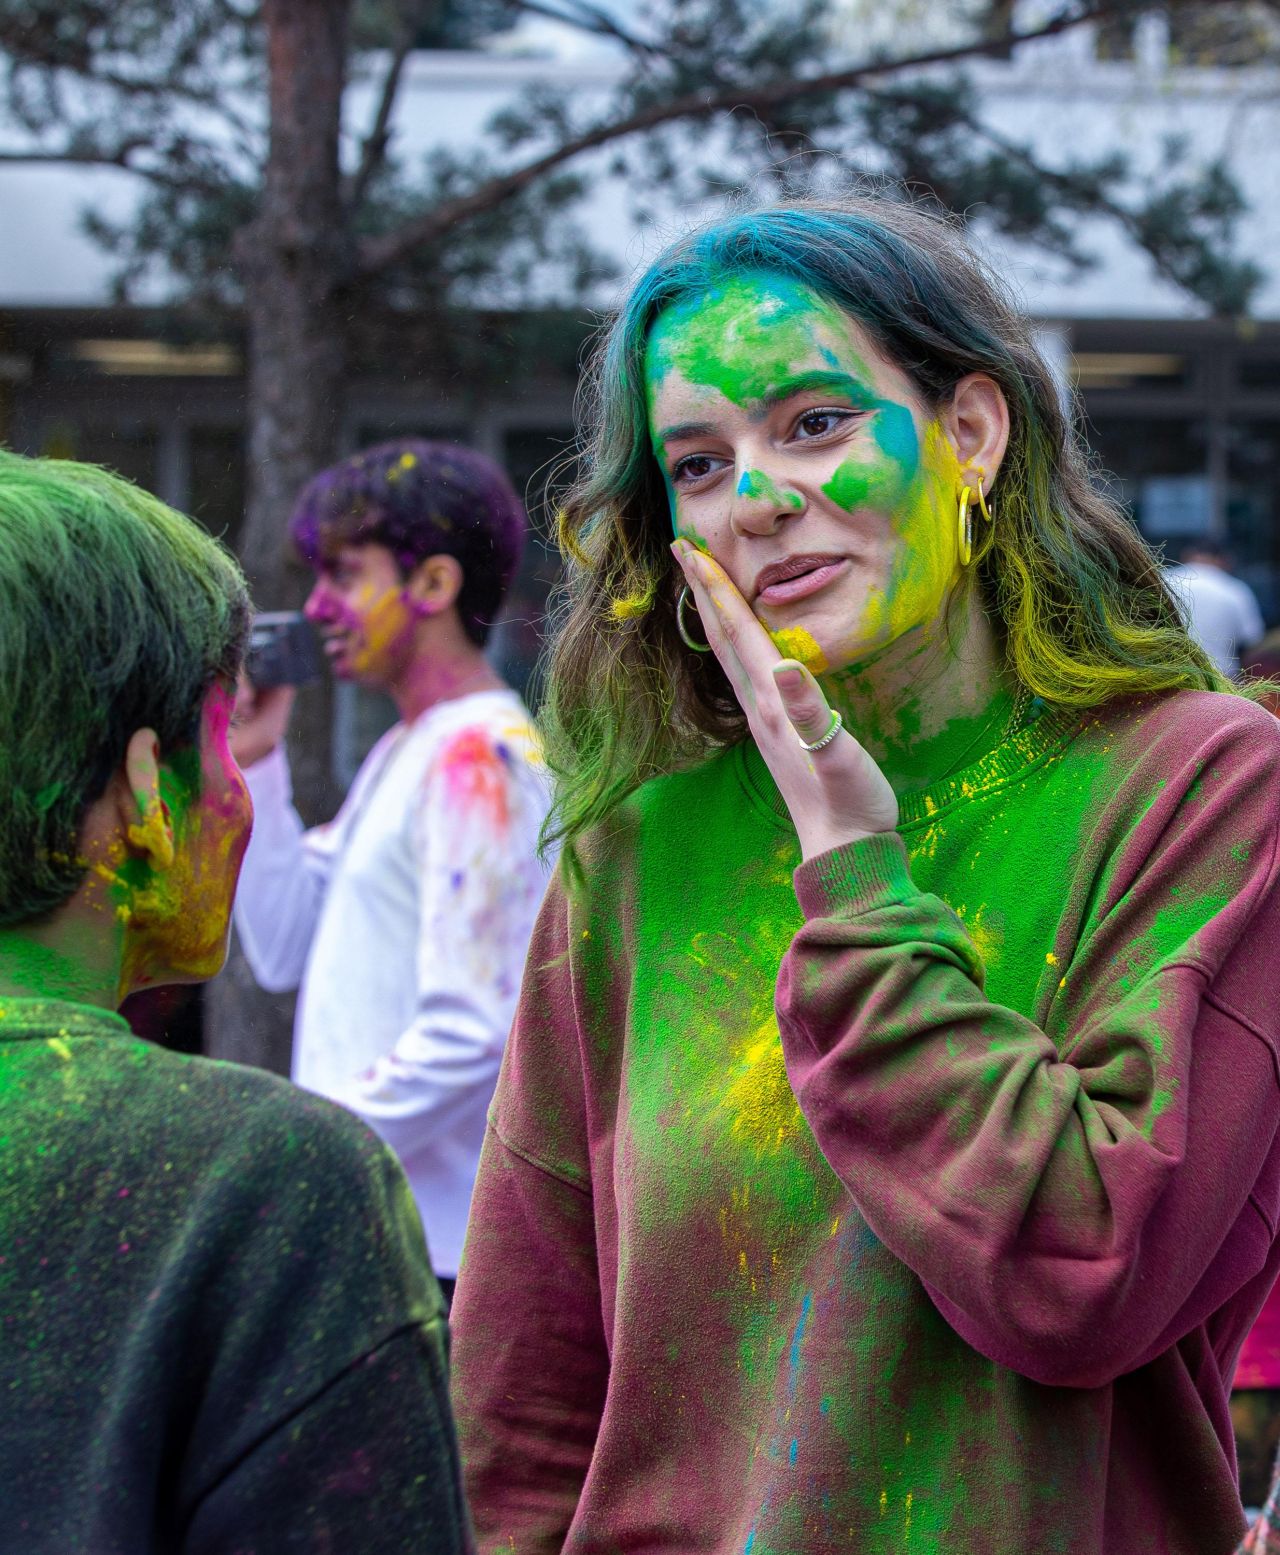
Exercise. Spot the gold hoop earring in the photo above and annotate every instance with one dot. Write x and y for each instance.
(966, 527)
(681, 606)
(981, 474)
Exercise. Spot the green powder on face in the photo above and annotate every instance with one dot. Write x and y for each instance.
(894, 432)
(744, 337)
(757, 486)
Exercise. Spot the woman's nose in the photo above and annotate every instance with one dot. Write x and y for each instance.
(760, 503)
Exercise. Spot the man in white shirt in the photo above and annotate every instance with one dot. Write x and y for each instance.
(405, 920)
(1221, 612)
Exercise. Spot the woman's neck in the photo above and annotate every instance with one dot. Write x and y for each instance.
(927, 707)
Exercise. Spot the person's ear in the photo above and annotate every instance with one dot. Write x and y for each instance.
(434, 585)
(977, 423)
(148, 826)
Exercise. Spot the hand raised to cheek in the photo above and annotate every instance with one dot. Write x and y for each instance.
(835, 795)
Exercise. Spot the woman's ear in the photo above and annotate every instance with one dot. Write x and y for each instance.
(434, 584)
(147, 824)
(977, 421)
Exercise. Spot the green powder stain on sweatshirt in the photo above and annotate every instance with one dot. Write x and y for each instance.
(718, 1156)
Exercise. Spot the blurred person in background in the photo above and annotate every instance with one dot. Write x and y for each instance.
(406, 919)
(1221, 611)
(1262, 662)
(221, 1332)
(1263, 1537)
(1255, 1397)
(1255, 1403)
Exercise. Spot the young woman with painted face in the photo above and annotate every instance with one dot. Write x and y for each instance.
(886, 1153)
(220, 1328)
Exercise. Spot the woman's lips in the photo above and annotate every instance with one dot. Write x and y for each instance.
(802, 585)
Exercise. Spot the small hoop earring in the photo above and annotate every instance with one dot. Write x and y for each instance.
(690, 642)
(966, 527)
(986, 512)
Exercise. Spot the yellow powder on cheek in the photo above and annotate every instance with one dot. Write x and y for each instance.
(793, 642)
(180, 918)
(386, 619)
(926, 565)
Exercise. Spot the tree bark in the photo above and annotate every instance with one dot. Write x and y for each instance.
(294, 259)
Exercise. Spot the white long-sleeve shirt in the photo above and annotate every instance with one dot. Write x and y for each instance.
(1221, 612)
(405, 922)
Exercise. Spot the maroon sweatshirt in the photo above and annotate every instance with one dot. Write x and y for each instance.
(952, 1247)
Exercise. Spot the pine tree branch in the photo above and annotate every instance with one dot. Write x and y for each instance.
(597, 21)
(373, 149)
(1072, 186)
(121, 157)
(380, 253)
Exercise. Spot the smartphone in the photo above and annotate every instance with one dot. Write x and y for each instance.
(283, 650)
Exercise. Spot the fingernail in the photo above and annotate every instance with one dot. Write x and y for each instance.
(788, 677)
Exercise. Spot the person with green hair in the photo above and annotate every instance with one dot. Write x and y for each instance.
(886, 1154)
(221, 1332)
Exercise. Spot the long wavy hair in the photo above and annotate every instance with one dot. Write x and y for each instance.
(1077, 595)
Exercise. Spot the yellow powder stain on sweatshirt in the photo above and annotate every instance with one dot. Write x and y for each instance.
(759, 1095)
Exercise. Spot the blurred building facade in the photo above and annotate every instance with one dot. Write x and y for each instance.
(1184, 412)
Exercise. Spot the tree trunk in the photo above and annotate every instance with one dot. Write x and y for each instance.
(294, 262)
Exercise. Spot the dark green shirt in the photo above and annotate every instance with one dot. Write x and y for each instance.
(218, 1327)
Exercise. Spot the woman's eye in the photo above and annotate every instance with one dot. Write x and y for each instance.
(696, 467)
(818, 423)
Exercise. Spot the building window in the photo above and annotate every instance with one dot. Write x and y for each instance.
(1158, 370)
(1253, 508)
(531, 457)
(217, 480)
(130, 451)
(1159, 470)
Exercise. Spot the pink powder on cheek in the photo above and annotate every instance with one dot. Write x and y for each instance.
(226, 794)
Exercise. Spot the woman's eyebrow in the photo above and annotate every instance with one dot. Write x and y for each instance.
(805, 383)
(786, 388)
(683, 429)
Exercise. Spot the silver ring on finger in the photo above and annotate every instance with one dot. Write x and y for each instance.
(837, 723)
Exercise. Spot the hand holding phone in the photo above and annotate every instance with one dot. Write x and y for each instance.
(283, 650)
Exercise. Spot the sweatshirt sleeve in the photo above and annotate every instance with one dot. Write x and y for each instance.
(1075, 1200)
(282, 879)
(530, 1359)
(474, 834)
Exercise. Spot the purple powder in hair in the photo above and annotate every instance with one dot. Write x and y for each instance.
(420, 499)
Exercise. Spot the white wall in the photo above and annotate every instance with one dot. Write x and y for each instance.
(1055, 96)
